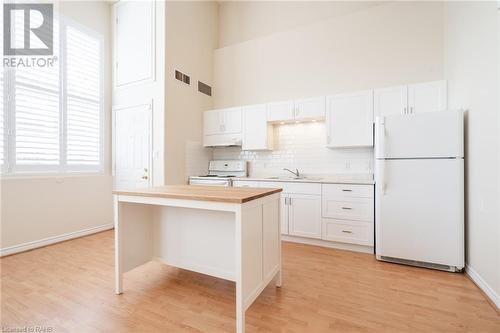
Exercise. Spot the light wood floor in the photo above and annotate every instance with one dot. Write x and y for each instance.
(69, 286)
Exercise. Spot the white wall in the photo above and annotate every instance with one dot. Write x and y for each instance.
(316, 48)
(379, 46)
(245, 20)
(36, 208)
(472, 67)
(191, 37)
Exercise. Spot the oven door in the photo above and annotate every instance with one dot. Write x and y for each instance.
(210, 182)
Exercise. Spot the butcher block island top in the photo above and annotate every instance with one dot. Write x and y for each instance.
(202, 193)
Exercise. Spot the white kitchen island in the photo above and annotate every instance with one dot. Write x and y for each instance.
(229, 233)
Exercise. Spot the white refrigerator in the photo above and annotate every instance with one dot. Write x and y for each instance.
(419, 198)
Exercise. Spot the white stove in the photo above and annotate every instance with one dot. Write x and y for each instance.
(220, 173)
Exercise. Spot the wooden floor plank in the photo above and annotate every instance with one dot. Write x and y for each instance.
(69, 286)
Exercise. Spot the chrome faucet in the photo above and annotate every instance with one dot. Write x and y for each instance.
(296, 173)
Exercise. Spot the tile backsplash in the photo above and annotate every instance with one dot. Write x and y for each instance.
(301, 146)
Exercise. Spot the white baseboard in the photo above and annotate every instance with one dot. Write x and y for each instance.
(52, 240)
(323, 243)
(478, 280)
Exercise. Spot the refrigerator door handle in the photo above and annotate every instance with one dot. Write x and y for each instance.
(383, 184)
(380, 139)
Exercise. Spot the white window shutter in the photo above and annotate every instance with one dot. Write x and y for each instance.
(37, 113)
(83, 99)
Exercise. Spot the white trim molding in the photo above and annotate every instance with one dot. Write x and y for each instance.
(52, 240)
(487, 290)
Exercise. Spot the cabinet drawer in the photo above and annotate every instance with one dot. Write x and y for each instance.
(299, 188)
(347, 231)
(348, 190)
(245, 183)
(359, 209)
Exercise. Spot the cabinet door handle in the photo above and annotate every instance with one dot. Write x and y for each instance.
(411, 109)
(346, 190)
(405, 111)
(347, 231)
(290, 201)
(347, 208)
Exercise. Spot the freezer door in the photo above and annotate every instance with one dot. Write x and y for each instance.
(420, 210)
(421, 135)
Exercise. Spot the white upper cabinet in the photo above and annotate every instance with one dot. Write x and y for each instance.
(390, 101)
(427, 97)
(310, 108)
(222, 127)
(301, 109)
(257, 132)
(231, 120)
(410, 99)
(280, 111)
(212, 122)
(349, 119)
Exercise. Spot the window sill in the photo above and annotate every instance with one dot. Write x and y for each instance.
(21, 176)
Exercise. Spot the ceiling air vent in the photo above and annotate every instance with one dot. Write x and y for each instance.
(204, 88)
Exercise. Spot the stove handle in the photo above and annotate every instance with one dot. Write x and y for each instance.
(209, 183)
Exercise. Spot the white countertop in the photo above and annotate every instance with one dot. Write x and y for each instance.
(361, 179)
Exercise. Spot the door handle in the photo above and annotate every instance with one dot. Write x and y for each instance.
(347, 231)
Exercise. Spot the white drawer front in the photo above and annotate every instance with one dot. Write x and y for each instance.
(348, 190)
(348, 232)
(245, 183)
(359, 209)
(299, 188)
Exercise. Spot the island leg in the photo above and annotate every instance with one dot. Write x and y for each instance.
(279, 275)
(240, 306)
(118, 249)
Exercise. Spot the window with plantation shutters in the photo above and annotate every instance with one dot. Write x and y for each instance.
(53, 115)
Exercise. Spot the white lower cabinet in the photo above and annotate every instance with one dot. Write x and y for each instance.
(348, 214)
(331, 212)
(304, 215)
(347, 231)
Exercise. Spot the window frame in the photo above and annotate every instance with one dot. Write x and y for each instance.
(10, 168)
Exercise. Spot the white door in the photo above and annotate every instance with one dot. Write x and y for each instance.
(280, 111)
(350, 120)
(390, 101)
(427, 97)
(132, 147)
(420, 210)
(284, 214)
(424, 135)
(304, 215)
(134, 44)
(231, 120)
(212, 122)
(310, 108)
(257, 133)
